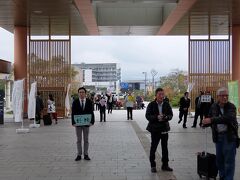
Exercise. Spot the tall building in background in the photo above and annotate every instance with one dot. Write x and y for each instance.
(101, 75)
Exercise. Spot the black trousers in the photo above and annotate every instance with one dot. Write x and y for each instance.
(102, 113)
(129, 112)
(183, 114)
(198, 112)
(155, 138)
(110, 107)
(38, 117)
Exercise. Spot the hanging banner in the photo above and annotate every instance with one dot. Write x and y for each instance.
(32, 101)
(17, 100)
(190, 87)
(233, 93)
(67, 100)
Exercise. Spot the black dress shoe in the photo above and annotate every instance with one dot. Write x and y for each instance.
(193, 126)
(184, 127)
(78, 158)
(153, 169)
(179, 121)
(86, 157)
(166, 168)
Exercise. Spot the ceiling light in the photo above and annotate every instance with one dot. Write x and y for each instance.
(37, 12)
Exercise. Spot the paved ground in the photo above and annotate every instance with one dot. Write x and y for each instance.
(118, 148)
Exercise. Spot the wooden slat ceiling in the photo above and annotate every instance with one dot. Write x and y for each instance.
(37, 14)
(220, 12)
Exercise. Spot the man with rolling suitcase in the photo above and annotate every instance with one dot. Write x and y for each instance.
(223, 121)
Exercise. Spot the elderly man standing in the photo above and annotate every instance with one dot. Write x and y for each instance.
(222, 118)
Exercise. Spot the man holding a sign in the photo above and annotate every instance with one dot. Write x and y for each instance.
(82, 119)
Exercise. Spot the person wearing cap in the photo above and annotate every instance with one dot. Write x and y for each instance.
(223, 121)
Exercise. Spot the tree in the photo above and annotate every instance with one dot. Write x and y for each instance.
(174, 85)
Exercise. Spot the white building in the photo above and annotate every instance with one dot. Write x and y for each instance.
(99, 75)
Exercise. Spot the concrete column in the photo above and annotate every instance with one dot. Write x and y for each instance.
(236, 55)
(20, 58)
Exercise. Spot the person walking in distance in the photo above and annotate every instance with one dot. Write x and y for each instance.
(109, 102)
(198, 110)
(158, 113)
(82, 106)
(52, 108)
(223, 120)
(39, 108)
(183, 110)
(102, 106)
(129, 102)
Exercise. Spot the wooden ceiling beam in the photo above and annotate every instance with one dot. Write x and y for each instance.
(182, 8)
(87, 14)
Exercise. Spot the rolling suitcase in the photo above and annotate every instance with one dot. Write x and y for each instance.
(206, 163)
(47, 120)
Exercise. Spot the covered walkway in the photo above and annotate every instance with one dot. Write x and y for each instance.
(118, 151)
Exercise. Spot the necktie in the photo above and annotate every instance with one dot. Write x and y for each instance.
(82, 104)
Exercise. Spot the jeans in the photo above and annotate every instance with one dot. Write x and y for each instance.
(225, 152)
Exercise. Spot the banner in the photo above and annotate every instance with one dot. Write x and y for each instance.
(190, 87)
(233, 93)
(17, 100)
(82, 120)
(67, 101)
(32, 101)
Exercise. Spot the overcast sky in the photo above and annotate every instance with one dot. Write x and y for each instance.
(134, 54)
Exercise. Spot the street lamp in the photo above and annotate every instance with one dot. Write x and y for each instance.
(145, 84)
(154, 73)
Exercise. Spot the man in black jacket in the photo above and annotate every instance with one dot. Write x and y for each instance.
(198, 110)
(158, 113)
(183, 109)
(81, 106)
(223, 121)
(39, 107)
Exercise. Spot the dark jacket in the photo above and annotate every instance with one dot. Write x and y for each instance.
(184, 103)
(39, 104)
(152, 113)
(77, 110)
(198, 106)
(228, 118)
(206, 107)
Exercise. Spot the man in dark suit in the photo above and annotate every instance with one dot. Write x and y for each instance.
(198, 110)
(39, 107)
(158, 113)
(183, 110)
(81, 106)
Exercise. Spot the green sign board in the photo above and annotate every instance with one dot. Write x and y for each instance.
(233, 93)
(82, 120)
